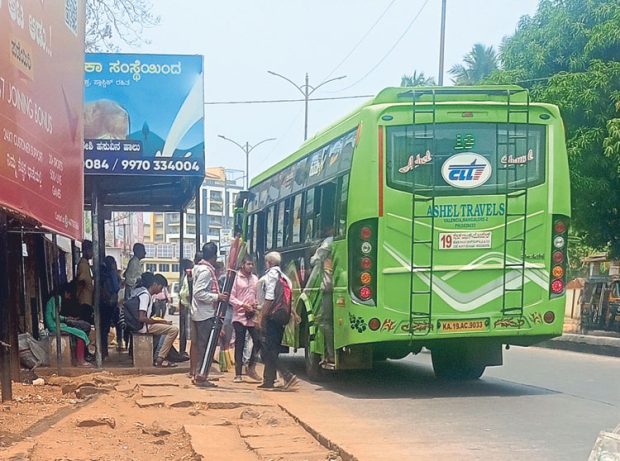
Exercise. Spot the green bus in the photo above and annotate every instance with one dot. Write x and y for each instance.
(431, 217)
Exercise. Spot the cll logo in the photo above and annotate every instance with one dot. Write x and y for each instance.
(466, 170)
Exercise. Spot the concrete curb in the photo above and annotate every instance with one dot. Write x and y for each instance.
(588, 344)
(322, 439)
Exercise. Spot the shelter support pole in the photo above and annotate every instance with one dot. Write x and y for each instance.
(97, 242)
(23, 289)
(182, 312)
(57, 299)
(5, 348)
(73, 258)
(198, 216)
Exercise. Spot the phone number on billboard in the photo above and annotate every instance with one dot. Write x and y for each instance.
(141, 165)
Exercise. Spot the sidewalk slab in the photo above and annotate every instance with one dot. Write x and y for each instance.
(222, 443)
(589, 344)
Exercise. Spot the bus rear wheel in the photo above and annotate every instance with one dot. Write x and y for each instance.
(451, 364)
(312, 361)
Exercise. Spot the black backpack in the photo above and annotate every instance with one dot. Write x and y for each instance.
(130, 314)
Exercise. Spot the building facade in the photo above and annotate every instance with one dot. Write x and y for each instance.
(215, 216)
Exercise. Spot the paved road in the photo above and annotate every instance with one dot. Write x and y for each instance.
(541, 405)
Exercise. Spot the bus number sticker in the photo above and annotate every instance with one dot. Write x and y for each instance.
(464, 240)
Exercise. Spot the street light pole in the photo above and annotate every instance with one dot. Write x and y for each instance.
(442, 41)
(306, 90)
(247, 148)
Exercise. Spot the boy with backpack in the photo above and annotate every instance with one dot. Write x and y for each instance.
(137, 312)
(275, 315)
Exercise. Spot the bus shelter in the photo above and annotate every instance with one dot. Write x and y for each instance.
(143, 141)
(103, 195)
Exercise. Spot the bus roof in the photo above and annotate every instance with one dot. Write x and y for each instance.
(505, 94)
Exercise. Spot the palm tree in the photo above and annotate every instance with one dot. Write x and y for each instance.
(416, 79)
(479, 63)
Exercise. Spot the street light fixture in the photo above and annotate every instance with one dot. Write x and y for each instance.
(247, 148)
(306, 90)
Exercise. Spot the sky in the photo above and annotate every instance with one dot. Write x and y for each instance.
(372, 42)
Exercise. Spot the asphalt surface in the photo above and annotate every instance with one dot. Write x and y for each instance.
(541, 405)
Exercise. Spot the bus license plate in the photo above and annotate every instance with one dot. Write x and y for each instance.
(459, 326)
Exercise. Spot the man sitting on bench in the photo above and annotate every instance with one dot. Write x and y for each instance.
(150, 285)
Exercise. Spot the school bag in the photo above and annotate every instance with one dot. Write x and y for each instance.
(130, 314)
(282, 300)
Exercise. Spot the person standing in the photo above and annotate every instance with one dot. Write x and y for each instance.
(110, 285)
(134, 269)
(206, 295)
(184, 304)
(149, 285)
(272, 331)
(85, 286)
(160, 303)
(323, 263)
(122, 337)
(243, 300)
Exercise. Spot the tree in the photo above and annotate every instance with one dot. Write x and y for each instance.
(568, 54)
(480, 62)
(416, 79)
(110, 22)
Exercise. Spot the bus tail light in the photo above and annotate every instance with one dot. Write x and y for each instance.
(559, 227)
(557, 287)
(549, 317)
(559, 241)
(557, 272)
(363, 262)
(366, 233)
(365, 293)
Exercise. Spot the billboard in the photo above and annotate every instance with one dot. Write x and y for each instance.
(143, 115)
(41, 116)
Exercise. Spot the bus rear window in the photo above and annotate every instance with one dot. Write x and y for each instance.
(465, 158)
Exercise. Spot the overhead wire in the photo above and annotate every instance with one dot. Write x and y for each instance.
(283, 135)
(271, 101)
(359, 42)
(387, 54)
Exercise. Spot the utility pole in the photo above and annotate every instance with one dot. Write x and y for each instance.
(247, 148)
(442, 41)
(306, 90)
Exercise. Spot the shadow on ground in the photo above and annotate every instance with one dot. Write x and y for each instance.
(409, 378)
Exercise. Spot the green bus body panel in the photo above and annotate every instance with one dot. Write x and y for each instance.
(467, 283)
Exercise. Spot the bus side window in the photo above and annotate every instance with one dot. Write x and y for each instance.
(296, 219)
(280, 224)
(288, 220)
(247, 236)
(308, 226)
(327, 215)
(252, 232)
(269, 236)
(342, 196)
(259, 239)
